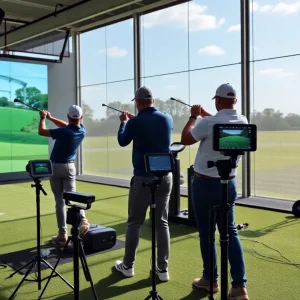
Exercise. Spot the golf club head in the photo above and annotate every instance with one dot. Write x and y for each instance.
(17, 100)
(103, 104)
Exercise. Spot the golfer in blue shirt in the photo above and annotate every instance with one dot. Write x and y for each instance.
(150, 131)
(68, 138)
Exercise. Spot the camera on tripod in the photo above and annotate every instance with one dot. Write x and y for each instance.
(232, 140)
(39, 168)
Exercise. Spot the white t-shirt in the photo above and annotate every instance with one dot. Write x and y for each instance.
(203, 132)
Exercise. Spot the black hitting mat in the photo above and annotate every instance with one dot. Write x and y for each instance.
(18, 259)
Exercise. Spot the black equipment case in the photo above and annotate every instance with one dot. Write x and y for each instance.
(99, 238)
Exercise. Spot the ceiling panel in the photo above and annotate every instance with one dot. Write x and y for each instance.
(20, 12)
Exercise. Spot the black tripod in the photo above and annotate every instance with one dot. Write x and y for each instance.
(73, 218)
(224, 168)
(153, 186)
(40, 254)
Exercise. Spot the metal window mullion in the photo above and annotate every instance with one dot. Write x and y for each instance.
(137, 51)
(76, 51)
(245, 88)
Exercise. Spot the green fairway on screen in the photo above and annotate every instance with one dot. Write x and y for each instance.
(234, 139)
(41, 168)
(19, 138)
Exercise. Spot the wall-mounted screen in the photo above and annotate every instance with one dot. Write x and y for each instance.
(19, 139)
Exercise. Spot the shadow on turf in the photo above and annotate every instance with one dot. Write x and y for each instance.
(105, 289)
(146, 232)
(289, 221)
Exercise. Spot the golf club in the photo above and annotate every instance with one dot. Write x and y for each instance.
(17, 100)
(180, 102)
(2, 15)
(112, 108)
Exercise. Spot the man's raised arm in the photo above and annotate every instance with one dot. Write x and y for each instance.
(126, 130)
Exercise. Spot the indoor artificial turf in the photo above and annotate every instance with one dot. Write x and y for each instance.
(268, 278)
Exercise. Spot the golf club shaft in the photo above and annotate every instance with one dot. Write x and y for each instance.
(112, 108)
(27, 105)
(181, 102)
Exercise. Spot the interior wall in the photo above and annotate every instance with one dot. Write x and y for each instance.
(62, 90)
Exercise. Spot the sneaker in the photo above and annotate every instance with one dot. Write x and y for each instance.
(127, 271)
(239, 293)
(84, 227)
(202, 283)
(163, 275)
(59, 240)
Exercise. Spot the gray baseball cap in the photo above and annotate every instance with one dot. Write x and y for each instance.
(143, 93)
(225, 90)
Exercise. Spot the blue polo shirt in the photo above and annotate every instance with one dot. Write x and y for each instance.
(150, 132)
(67, 142)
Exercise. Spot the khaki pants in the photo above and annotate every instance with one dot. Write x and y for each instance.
(138, 202)
(63, 180)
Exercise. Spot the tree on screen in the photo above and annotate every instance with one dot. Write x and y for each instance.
(5, 103)
(33, 97)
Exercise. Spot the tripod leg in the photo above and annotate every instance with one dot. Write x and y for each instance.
(86, 269)
(58, 274)
(212, 229)
(224, 241)
(27, 273)
(32, 261)
(54, 270)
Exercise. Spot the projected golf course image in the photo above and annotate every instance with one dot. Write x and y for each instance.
(234, 139)
(19, 139)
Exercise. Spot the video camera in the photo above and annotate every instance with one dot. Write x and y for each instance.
(39, 168)
(232, 140)
(79, 198)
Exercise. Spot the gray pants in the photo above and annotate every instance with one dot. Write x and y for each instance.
(63, 180)
(138, 202)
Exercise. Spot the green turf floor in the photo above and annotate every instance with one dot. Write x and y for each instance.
(267, 278)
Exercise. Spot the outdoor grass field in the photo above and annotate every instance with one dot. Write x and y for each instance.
(275, 165)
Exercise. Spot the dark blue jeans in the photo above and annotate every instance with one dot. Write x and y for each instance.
(206, 195)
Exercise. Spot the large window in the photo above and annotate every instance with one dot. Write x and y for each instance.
(275, 28)
(183, 48)
(214, 33)
(187, 51)
(19, 139)
(275, 105)
(165, 41)
(107, 71)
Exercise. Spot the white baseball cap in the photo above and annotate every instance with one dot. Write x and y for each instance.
(225, 90)
(75, 112)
